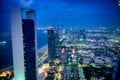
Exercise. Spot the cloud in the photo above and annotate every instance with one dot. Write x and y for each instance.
(88, 1)
(79, 1)
(26, 3)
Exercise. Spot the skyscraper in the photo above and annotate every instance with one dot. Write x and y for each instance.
(23, 45)
(29, 49)
(51, 44)
(57, 44)
(116, 70)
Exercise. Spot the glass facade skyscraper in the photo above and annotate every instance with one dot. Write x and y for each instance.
(116, 70)
(51, 44)
(24, 44)
(29, 49)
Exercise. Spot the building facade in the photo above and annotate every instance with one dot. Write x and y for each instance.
(116, 70)
(24, 45)
(29, 49)
(51, 44)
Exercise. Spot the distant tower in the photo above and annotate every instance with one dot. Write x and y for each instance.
(57, 44)
(51, 44)
(23, 44)
(116, 70)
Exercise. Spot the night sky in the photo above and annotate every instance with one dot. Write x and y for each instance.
(82, 13)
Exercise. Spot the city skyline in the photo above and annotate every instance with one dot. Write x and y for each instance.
(59, 39)
(79, 57)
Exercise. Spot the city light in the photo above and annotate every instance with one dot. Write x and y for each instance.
(60, 40)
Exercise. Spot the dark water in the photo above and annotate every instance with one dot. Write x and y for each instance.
(6, 58)
(41, 38)
(6, 55)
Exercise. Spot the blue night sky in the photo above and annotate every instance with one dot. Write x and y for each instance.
(84, 13)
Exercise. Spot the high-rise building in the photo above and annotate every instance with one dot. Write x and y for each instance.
(29, 49)
(116, 70)
(51, 44)
(23, 44)
(57, 44)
